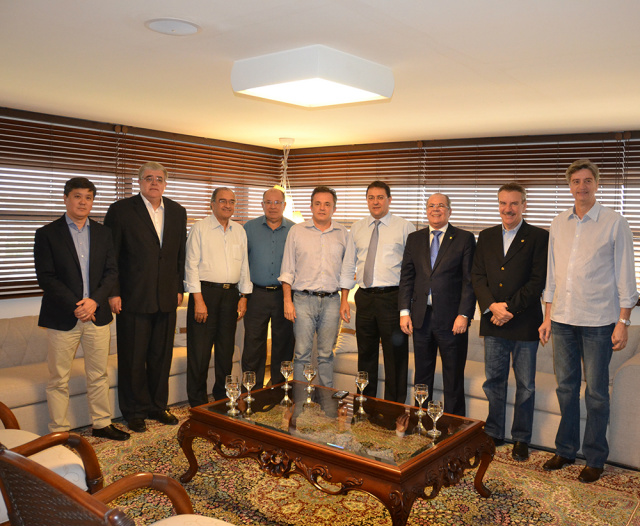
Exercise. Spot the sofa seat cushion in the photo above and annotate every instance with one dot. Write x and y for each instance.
(58, 459)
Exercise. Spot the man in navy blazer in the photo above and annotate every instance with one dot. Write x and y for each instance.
(149, 234)
(509, 272)
(76, 268)
(436, 300)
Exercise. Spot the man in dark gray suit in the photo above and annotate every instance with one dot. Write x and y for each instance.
(76, 268)
(436, 300)
(149, 233)
(509, 271)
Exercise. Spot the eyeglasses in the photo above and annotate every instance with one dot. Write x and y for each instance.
(150, 179)
(226, 202)
(269, 203)
(439, 206)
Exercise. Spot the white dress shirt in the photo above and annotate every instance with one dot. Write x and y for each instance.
(312, 258)
(590, 270)
(156, 215)
(392, 237)
(217, 255)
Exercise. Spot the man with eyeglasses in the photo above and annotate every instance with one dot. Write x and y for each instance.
(374, 254)
(149, 233)
(217, 280)
(266, 236)
(436, 300)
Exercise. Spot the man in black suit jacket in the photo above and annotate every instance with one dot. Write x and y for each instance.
(436, 300)
(149, 234)
(76, 268)
(509, 272)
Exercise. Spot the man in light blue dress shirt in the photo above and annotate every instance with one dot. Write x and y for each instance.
(589, 294)
(310, 277)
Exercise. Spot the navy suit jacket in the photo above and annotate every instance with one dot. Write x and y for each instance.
(60, 277)
(449, 280)
(150, 276)
(517, 279)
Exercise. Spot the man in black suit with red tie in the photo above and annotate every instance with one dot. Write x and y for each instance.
(436, 300)
(76, 268)
(509, 273)
(149, 233)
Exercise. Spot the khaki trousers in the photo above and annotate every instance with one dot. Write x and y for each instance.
(61, 351)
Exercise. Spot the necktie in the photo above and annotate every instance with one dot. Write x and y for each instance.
(435, 246)
(367, 277)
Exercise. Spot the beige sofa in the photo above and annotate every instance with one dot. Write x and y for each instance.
(624, 428)
(24, 373)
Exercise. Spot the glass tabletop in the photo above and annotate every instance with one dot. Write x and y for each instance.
(375, 429)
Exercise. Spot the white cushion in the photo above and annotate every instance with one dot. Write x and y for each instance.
(58, 459)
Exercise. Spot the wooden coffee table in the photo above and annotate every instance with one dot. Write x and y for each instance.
(338, 449)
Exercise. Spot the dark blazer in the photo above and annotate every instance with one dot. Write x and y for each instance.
(449, 280)
(150, 276)
(517, 279)
(60, 277)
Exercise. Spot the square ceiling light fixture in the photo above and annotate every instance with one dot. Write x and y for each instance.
(312, 76)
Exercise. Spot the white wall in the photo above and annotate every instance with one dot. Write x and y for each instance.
(12, 308)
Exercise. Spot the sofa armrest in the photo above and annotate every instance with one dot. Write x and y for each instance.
(624, 422)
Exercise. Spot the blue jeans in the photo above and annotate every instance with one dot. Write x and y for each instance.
(321, 316)
(573, 345)
(497, 354)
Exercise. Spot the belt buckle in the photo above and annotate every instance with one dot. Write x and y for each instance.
(226, 286)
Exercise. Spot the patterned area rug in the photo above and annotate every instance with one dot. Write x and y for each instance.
(238, 492)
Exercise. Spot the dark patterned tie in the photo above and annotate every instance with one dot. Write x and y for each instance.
(435, 246)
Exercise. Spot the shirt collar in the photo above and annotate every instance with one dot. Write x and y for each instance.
(71, 223)
(513, 231)
(264, 222)
(443, 229)
(148, 204)
(384, 220)
(216, 223)
(593, 213)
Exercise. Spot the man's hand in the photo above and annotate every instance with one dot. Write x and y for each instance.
(200, 312)
(242, 307)
(620, 336)
(460, 324)
(180, 298)
(86, 309)
(115, 303)
(345, 310)
(289, 310)
(500, 313)
(545, 331)
(406, 325)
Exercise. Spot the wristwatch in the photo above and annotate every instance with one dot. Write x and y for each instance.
(626, 322)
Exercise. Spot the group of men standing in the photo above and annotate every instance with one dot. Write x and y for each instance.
(421, 283)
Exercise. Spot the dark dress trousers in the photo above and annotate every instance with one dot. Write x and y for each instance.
(517, 279)
(451, 295)
(60, 277)
(150, 279)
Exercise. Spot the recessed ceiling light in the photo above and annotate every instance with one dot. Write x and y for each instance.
(172, 26)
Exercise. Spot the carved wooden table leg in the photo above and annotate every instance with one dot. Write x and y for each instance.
(485, 460)
(185, 439)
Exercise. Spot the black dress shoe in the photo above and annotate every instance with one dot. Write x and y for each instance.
(137, 425)
(164, 417)
(557, 462)
(497, 441)
(589, 474)
(520, 451)
(111, 432)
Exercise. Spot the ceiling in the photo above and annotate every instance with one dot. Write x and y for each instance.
(463, 68)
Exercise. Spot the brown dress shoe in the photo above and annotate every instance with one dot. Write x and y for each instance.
(589, 474)
(557, 462)
(520, 451)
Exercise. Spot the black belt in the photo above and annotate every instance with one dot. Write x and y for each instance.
(219, 285)
(319, 294)
(379, 290)
(270, 288)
